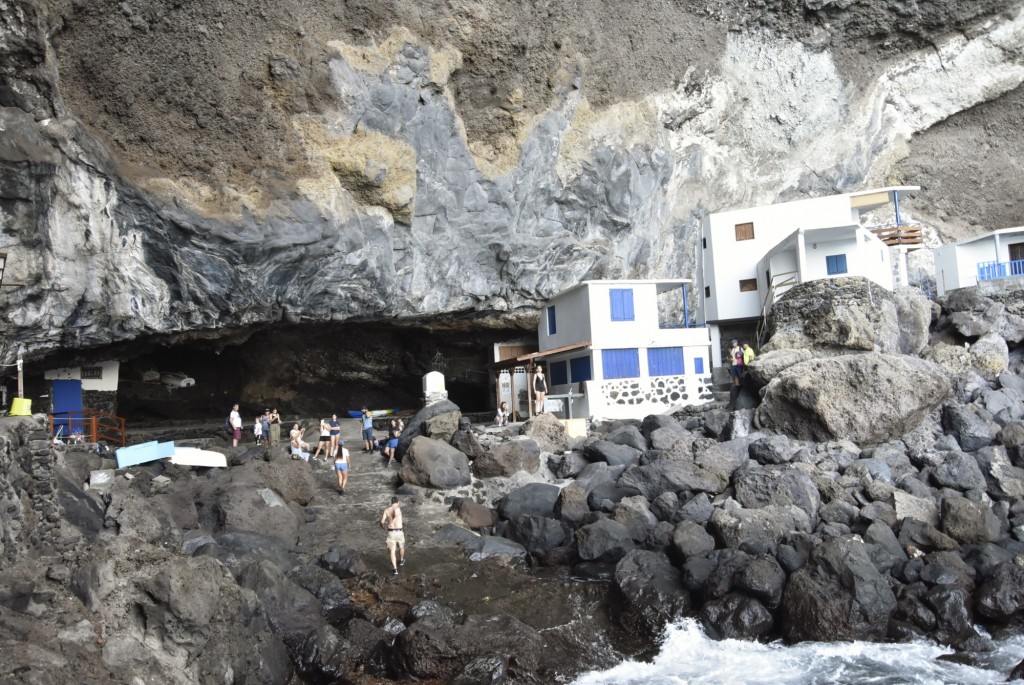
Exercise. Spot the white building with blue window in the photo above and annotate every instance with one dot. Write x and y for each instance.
(750, 257)
(995, 259)
(623, 349)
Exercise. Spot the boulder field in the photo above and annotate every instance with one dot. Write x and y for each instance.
(866, 495)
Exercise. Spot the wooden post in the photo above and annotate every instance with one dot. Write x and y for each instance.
(529, 388)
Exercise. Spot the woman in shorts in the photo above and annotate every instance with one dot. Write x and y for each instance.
(335, 435)
(325, 439)
(341, 464)
(392, 444)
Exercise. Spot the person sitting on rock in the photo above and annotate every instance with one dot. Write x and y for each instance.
(501, 419)
(298, 447)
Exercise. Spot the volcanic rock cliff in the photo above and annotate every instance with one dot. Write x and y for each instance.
(173, 171)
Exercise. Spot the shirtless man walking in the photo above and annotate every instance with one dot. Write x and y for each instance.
(391, 521)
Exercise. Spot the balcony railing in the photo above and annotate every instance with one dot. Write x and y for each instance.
(990, 271)
(900, 234)
(88, 426)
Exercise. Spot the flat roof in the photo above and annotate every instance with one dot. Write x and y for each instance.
(999, 231)
(861, 199)
(663, 284)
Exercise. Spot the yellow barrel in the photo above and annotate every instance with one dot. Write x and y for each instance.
(21, 407)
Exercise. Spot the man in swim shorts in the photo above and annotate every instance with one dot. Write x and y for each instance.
(391, 521)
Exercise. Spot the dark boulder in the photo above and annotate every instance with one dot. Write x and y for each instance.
(969, 522)
(432, 463)
(508, 458)
(629, 436)
(571, 505)
(690, 540)
(533, 499)
(292, 611)
(778, 486)
(612, 453)
(736, 616)
(466, 442)
(1001, 596)
(647, 593)
(635, 514)
(414, 426)
(924, 536)
(604, 541)
(763, 579)
(838, 595)
(772, 449)
(473, 514)
(539, 535)
(433, 648)
(959, 471)
(486, 669)
(757, 531)
(326, 587)
(326, 657)
(971, 431)
(343, 562)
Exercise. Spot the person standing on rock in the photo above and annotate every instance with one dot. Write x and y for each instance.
(335, 435)
(325, 440)
(736, 359)
(391, 521)
(392, 443)
(540, 389)
(275, 428)
(367, 420)
(341, 465)
(257, 431)
(265, 425)
(235, 419)
(748, 355)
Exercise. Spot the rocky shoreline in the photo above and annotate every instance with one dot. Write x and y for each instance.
(765, 519)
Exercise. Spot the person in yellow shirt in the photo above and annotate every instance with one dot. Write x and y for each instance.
(748, 354)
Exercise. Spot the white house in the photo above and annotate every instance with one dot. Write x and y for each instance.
(622, 349)
(749, 256)
(994, 257)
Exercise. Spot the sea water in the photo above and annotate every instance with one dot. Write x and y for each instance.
(689, 657)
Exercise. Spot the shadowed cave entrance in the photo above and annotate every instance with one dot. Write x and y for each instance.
(303, 370)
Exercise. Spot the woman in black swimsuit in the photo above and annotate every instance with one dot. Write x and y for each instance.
(540, 389)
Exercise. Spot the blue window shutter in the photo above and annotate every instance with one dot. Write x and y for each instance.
(559, 373)
(698, 365)
(552, 329)
(580, 369)
(621, 303)
(665, 361)
(835, 264)
(621, 363)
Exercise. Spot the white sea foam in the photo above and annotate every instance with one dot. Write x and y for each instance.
(689, 657)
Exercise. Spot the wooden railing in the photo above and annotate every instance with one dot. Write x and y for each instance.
(92, 425)
(901, 234)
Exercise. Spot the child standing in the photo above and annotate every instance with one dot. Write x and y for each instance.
(257, 430)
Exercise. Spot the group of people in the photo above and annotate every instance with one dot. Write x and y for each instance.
(268, 425)
(739, 358)
(540, 391)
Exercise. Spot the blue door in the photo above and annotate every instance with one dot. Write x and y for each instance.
(67, 407)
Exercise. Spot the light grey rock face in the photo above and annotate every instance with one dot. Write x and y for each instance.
(867, 398)
(975, 314)
(387, 177)
(849, 314)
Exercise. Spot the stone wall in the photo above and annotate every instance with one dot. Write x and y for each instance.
(29, 511)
